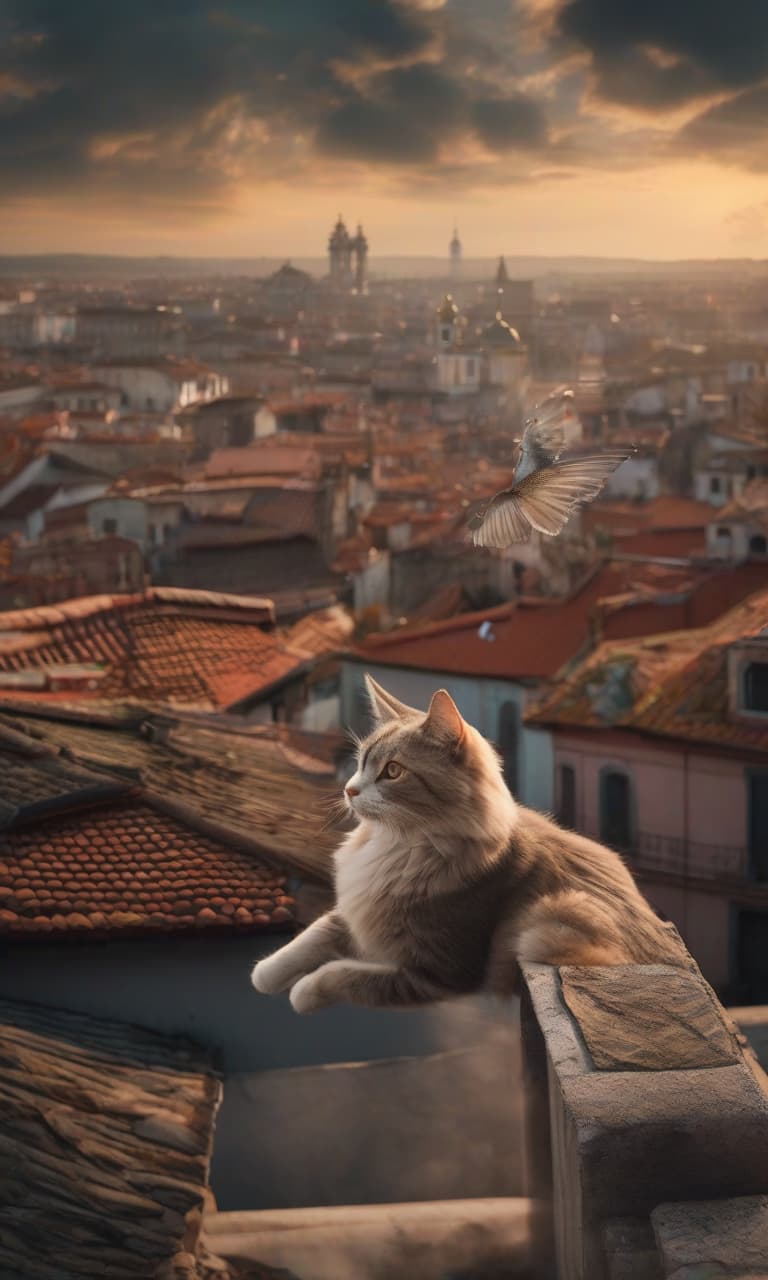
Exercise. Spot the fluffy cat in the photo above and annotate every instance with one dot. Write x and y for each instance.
(446, 881)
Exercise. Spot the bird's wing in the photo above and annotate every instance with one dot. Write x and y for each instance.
(549, 497)
(503, 523)
(544, 433)
(544, 500)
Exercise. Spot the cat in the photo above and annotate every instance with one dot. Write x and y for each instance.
(447, 882)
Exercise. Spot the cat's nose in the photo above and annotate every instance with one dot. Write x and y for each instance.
(352, 791)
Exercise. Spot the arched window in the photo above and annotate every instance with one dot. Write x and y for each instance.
(508, 737)
(758, 544)
(566, 796)
(615, 809)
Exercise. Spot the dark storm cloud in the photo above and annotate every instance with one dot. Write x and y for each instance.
(734, 129)
(171, 85)
(510, 122)
(659, 53)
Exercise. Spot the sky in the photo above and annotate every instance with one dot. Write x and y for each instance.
(242, 127)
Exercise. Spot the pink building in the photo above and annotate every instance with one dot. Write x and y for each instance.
(660, 749)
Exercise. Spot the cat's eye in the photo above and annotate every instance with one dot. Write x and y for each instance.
(393, 770)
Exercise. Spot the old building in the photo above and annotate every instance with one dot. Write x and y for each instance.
(660, 750)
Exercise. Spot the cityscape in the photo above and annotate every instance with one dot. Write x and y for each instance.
(281, 290)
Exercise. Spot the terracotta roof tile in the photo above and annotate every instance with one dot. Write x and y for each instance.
(128, 868)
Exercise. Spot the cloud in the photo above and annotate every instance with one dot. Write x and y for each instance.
(732, 130)
(178, 93)
(505, 123)
(660, 53)
(189, 100)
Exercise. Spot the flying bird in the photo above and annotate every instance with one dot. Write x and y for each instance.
(546, 490)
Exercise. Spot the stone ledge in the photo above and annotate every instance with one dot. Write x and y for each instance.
(671, 1111)
(713, 1238)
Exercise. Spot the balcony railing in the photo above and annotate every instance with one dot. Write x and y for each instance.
(677, 856)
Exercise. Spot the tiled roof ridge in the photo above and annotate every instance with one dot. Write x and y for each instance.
(79, 607)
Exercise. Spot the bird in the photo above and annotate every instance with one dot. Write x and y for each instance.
(546, 490)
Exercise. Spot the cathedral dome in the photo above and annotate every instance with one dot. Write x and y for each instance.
(500, 334)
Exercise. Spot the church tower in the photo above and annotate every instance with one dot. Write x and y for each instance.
(340, 256)
(446, 317)
(455, 257)
(360, 250)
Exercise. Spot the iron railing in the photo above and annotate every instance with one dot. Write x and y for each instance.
(678, 856)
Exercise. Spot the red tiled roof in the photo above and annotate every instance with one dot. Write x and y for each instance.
(193, 648)
(254, 460)
(534, 639)
(531, 640)
(674, 685)
(128, 869)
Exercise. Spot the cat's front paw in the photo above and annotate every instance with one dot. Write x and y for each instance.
(267, 977)
(308, 994)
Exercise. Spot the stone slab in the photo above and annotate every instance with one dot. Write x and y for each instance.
(430, 1240)
(714, 1237)
(649, 1018)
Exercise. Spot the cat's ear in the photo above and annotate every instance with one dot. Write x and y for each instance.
(385, 706)
(444, 718)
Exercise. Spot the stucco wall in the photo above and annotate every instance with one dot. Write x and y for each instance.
(478, 700)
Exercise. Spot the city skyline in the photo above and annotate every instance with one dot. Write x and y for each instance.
(543, 127)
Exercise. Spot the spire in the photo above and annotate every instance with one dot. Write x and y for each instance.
(502, 275)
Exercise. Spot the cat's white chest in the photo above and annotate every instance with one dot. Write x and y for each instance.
(368, 876)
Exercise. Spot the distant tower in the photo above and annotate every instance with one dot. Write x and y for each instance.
(360, 250)
(455, 251)
(340, 256)
(446, 316)
(502, 276)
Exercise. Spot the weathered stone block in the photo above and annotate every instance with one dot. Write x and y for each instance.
(714, 1238)
(653, 1018)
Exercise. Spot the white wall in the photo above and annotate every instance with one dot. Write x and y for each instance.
(130, 515)
(637, 477)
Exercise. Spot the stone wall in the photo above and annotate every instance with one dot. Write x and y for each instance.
(657, 1120)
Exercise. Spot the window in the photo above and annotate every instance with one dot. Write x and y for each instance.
(758, 544)
(756, 687)
(758, 825)
(714, 484)
(615, 817)
(752, 957)
(566, 810)
(109, 525)
(508, 738)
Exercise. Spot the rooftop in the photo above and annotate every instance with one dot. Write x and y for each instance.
(167, 645)
(85, 852)
(107, 1133)
(266, 787)
(673, 685)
